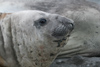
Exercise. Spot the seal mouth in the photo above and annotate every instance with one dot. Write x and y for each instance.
(59, 41)
(61, 34)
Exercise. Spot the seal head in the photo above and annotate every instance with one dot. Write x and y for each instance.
(56, 26)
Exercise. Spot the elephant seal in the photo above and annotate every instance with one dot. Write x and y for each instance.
(32, 38)
(85, 38)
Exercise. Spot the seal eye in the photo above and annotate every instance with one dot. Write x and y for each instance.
(42, 21)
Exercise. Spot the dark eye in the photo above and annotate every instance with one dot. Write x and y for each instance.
(42, 21)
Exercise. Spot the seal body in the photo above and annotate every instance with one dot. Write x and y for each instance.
(85, 38)
(32, 38)
(86, 15)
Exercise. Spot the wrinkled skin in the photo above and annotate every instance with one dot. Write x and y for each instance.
(85, 39)
(32, 38)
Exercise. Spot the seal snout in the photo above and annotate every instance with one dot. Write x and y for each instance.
(67, 22)
(65, 26)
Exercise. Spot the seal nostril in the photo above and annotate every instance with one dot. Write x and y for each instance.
(72, 25)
